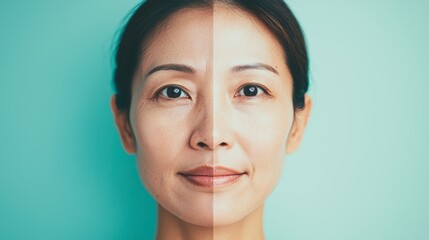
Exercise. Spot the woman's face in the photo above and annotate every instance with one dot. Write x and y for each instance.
(212, 115)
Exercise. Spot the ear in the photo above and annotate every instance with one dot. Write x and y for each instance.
(297, 130)
(124, 128)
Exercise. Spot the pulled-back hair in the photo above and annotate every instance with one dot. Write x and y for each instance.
(275, 15)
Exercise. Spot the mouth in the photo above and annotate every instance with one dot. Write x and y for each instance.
(212, 177)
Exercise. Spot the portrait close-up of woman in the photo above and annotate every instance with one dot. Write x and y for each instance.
(214, 120)
(211, 97)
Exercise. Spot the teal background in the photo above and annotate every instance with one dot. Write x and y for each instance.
(361, 171)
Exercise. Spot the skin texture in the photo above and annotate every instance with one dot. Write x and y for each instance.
(213, 122)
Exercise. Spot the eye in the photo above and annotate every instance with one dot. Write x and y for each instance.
(172, 92)
(251, 90)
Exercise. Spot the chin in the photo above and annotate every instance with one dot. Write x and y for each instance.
(202, 217)
(211, 218)
(196, 210)
(229, 212)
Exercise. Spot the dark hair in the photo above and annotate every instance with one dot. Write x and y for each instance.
(148, 15)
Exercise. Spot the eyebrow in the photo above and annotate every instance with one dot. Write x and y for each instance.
(171, 67)
(256, 66)
(188, 69)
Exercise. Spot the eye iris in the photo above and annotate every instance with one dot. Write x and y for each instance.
(250, 91)
(173, 92)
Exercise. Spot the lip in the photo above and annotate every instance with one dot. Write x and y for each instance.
(212, 177)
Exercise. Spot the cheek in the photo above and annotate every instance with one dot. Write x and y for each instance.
(266, 131)
(264, 141)
(155, 133)
(158, 130)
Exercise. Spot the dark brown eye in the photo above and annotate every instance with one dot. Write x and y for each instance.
(251, 90)
(173, 92)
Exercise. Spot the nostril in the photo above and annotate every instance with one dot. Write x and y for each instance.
(224, 144)
(201, 144)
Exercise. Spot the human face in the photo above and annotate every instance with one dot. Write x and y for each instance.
(229, 108)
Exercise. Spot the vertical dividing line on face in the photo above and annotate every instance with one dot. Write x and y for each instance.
(210, 74)
(210, 77)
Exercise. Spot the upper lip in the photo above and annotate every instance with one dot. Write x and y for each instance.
(212, 171)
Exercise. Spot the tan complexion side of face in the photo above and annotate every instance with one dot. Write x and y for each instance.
(226, 52)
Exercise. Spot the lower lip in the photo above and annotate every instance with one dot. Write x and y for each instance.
(212, 181)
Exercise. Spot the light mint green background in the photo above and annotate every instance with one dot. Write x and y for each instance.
(361, 172)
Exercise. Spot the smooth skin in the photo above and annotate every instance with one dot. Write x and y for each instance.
(212, 121)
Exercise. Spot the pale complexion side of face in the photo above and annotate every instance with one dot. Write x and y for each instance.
(257, 129)
(229, 53)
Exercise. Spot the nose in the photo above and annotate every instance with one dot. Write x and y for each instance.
(212, 129)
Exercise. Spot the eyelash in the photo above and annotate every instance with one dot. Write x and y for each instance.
(157, 94)
(264, 89)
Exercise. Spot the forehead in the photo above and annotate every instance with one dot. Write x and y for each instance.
(243, 39)
(201, 37)
(186, 35)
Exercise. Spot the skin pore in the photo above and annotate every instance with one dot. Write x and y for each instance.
(212, 89)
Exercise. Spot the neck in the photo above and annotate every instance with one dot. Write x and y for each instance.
(172, 227)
